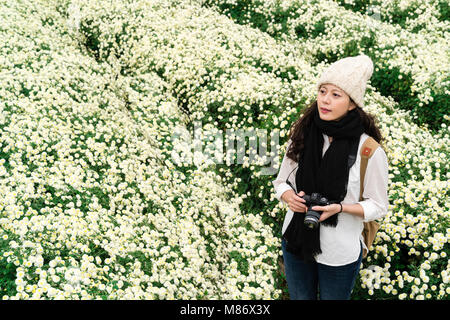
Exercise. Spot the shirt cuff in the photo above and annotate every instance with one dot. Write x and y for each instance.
(282, 188)
(370, 210)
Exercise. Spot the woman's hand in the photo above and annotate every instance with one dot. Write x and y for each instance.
(327, 211)
(294, 201)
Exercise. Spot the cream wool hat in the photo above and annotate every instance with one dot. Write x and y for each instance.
(351, 75)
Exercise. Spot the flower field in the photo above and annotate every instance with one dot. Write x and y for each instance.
(95, 200)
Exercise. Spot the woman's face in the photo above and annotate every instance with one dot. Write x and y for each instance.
(333, 98)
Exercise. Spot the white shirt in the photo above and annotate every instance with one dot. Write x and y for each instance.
(340, 245)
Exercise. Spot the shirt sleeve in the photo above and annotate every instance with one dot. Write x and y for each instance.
(287, 166)
(375, 198)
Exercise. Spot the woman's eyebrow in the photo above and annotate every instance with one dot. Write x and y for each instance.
(334, 89)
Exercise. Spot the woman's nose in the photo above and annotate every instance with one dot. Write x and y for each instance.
(326, 98)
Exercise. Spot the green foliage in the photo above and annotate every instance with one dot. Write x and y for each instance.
(444, 10)
(390, 81)
(356, 6)
(242, 263)
(92, 34)
(7, 271)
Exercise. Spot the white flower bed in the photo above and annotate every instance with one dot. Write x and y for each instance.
(327, 28)
(94, 205)
(114, 218)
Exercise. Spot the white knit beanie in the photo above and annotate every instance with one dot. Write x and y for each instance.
(351, 75)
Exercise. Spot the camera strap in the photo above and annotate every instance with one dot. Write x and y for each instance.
(354, 144)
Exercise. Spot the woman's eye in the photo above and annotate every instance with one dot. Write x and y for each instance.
(335, 94)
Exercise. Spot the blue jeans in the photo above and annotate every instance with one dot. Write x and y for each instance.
(305, 280)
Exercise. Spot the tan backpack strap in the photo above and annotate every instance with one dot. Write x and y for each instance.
(368, 148)
(370, 228)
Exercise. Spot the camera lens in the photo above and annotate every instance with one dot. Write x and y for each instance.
(311, 223)
(311, 219)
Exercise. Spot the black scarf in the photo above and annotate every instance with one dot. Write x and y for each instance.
(327, 176)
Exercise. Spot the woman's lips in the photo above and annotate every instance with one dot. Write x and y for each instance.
(324, 110)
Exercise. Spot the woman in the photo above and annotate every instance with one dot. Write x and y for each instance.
(324, 261)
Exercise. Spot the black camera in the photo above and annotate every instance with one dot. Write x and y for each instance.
(312, 216)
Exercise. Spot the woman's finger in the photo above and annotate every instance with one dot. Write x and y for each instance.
(324, 216)
(297, 208)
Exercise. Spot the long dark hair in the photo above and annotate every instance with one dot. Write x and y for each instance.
(297, 131)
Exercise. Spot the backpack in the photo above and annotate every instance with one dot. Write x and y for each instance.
(370, 228)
